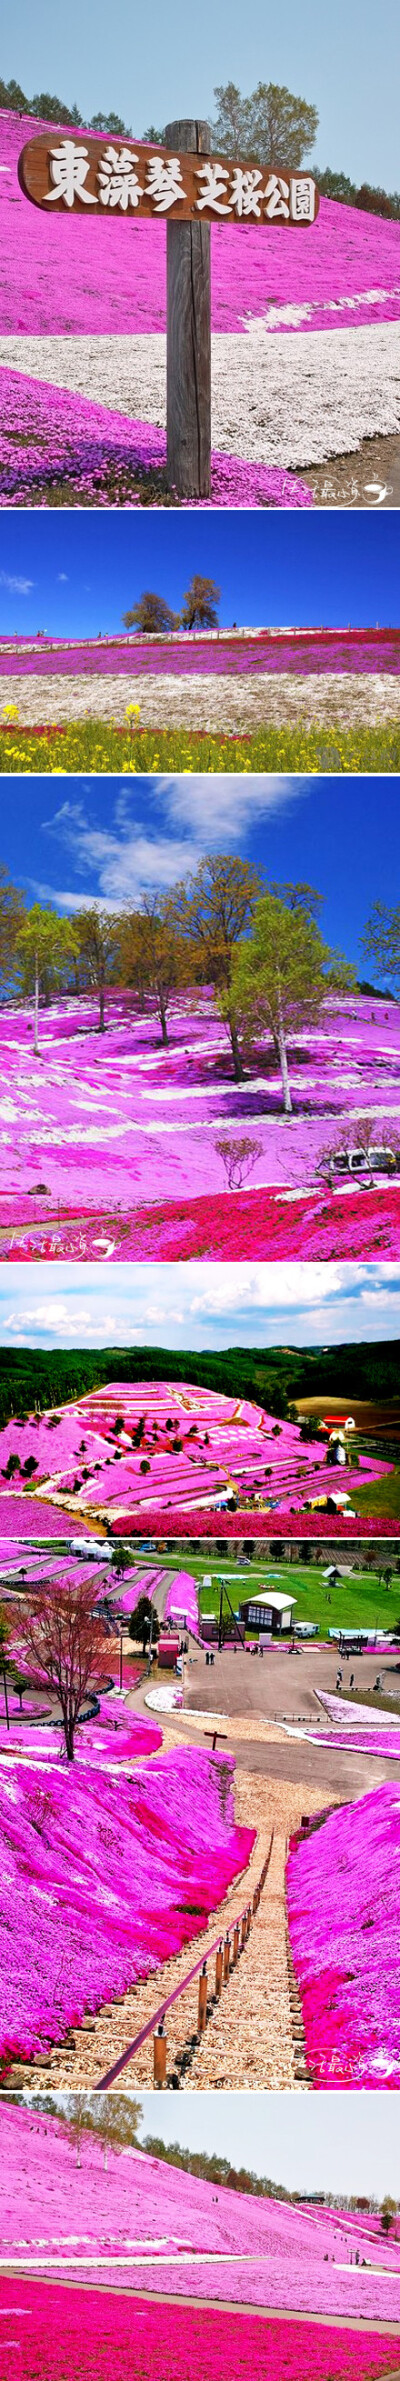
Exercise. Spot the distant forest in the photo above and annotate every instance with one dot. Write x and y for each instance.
(39, 1377)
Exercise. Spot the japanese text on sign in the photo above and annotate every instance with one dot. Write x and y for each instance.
(78, 175)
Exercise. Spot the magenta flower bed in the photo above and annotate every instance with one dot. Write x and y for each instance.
(122, 1874)
(300, 651)
(68, 275)
(126, 2339)
(344, 1905)
(195, 1446)
(71, 438)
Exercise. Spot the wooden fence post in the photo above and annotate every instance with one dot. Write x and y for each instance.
(159, 2058)
(189, 335)
(202, 2003)
(218, 1972)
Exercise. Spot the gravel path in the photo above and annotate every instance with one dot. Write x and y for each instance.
(286, 400)
(209, 702)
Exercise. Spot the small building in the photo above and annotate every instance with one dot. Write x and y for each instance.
(167, 1652)
(270, 1611)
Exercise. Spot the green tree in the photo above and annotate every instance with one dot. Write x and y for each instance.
(97, 947)
(273, 126)
(199, 604)
(388, 2212)
(381, 941)
(152, 615)
(12, 913)
(212, 909)
(144, 1623)
(110, 123)
(280, 978)
(154, 955)
(53, 111)
(44, 945)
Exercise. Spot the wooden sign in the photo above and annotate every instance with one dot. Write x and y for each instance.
(102, 177)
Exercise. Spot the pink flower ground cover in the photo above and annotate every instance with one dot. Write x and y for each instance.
(385, 1742)
(49, 436)
(122, 1874)
(128, 2339)
(69, 275)
(255, 1224)
(152, 2228)
(344, 1904)
(300, 652)
(168, 1446)
(123, 1134)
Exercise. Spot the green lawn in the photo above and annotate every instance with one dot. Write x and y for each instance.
(381, 1497)
(360, 1603)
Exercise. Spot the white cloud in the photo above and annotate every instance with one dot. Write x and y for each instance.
(15, 586)
(62, 578)
(216, 806)
(186, 816)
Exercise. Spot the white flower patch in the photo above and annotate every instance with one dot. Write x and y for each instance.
(286, 401)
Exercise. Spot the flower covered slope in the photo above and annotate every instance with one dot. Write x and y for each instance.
(151, 1445)
(227, 653)
(343, 1902)
(151, 2226)
(123, 1134)
(69, 276)
(122, 1873)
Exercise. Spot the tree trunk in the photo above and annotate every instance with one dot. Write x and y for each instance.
(284, 1071)
(163, 1023)
(101, 1009)
(237, 1062)
(36, 1008)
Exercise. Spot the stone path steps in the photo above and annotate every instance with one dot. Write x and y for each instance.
(248, 2042)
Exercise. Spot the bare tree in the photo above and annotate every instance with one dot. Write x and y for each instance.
(67, 1647)
(238, 1157)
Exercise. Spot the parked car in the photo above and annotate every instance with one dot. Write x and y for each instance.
(365, 1163)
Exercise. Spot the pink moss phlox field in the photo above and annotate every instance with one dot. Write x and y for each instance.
(343, 1903)
(154, 1444)
(126, 2339)
(227, 653)
(122, 1874)
(151, 1127)
(180, 1600)
(69, 275)
(175, 2233)
(72, 439)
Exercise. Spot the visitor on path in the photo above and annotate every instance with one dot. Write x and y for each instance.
(352, 1679)
(339, 1681)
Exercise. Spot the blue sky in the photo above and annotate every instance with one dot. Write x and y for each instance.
(150, 67)
(75, 573)
(102, 840)
(196, 1306)
(288, 2138)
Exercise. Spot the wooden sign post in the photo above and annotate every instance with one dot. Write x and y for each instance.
(188, 189)
(189, 337)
